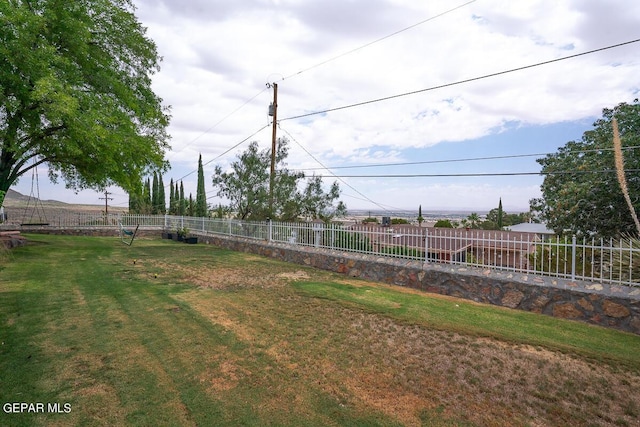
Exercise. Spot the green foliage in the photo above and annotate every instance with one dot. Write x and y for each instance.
(155, 195)
(172, 199)
(201, 209)
(162, 201)
(148, 197)
(370, 220)
(443, 223)
(489, 225)
(76, 94)
(403, 251)
(191, 206)
(399, 221)
(145, 202)
(182, 232)
(623, 263)
(182, 202)
(350, 240)
(580, 191)
(556, 257)
(221, 211)
(420, 218)
(473, 220)
(497, 219)
(246, 187)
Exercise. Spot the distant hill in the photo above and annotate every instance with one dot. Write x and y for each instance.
(24, 209)
(13, 197)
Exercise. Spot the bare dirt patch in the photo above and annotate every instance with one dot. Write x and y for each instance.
(221, 277)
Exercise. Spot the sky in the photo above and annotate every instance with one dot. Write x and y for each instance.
(219, 56)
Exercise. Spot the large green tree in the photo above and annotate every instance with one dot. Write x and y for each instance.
(246, 188)
(75, 93)
(580, 191)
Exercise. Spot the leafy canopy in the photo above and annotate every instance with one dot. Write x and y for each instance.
(246, 188)
(75, 93)
(580, 191)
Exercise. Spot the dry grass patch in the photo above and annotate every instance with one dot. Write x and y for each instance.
(371, 362)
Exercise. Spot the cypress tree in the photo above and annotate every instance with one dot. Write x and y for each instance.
(191, 207)
(176, 198)
(201, 195)
(146, 198)
(135, 198)
(162, 202)
(183, 204)
(500, 214)
(155, 195)
(172, 199)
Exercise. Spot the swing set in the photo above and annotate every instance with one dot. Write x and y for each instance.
(38, 207)
(127, 236)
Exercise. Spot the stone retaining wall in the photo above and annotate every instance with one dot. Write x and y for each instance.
(88, 231)
(612, 307)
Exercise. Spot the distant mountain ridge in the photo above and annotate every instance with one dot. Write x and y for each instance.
(14, 196)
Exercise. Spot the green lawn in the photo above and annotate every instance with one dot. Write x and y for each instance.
(162, 333)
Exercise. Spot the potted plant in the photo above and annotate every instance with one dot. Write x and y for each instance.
(183, 236)
(192, 240)
(181, 233)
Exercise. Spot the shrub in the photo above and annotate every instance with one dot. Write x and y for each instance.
(443, 223)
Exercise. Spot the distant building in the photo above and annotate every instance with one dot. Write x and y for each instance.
(531, 227)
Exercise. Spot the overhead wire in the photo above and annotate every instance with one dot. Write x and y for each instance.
(227, 151)
(378, 40)
(328, 170)
(460, 82)
(472, 159)
(218, 122)
(448, 175)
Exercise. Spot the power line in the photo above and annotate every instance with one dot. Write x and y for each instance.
(378, 40)
(219, 121)
(472, 159)
(327, 169)
(235, 146)
(448, 175)
(486, 76)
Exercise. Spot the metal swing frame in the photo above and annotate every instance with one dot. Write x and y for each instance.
(125, 234)
(37, 206)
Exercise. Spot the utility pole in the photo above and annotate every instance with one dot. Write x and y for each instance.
(106, 199)
(273, 111)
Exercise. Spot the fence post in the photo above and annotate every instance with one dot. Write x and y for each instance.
(573, 258)
(270, 223)
(426, 245)
(333, 236)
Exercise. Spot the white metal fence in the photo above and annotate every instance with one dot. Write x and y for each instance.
(613, 262)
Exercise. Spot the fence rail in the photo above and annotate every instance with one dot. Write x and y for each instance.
(613, 262)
